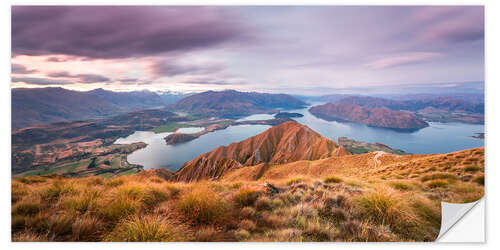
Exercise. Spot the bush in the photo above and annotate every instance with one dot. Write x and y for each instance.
(147, 229)
(202, 205)
(333, 179)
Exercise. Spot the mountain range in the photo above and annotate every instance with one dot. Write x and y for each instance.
(234, 104)
(46, 105)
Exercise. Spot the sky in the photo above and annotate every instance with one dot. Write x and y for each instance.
(297, 50)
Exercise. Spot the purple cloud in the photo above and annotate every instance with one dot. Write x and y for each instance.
(451, 24)
(170, 68)
(21, 69)
(81, 78)
(39, 81)
(404, 59)
(118, 31)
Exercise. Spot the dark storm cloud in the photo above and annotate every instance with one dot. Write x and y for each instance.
(81, 78)
(39, 81)
(117, 32)
(21, 69)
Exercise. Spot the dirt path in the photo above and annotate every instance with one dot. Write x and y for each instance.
(376, 161)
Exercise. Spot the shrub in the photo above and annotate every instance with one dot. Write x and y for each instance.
(147, 229)
(202, 205)
(333, 179)
(245, 197)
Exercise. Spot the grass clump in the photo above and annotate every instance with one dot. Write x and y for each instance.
(472, 169)
(202, 205)
(437, 184)
(147, 229)
(245, 197)
(402, 186)
(332, 179)
(294, 181)
(479, 180)
(438, 176)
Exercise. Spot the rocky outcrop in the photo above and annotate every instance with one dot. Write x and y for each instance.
(287, 142)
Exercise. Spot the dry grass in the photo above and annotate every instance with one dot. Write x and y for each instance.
(352, 203)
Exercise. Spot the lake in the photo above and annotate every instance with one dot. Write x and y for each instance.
(437, 138)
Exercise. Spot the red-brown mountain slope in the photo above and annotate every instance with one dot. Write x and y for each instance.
(280, 144)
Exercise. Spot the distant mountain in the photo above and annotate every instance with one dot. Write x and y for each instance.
(439, 102)
(47, 105)
(375, 117)
(428, 107)
(135, 100)
(233, 104)
(287, 142)
(171, 97)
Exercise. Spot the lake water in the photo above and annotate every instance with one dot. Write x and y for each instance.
(160, 155)
(437, 138)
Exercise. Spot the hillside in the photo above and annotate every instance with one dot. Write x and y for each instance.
(233, 104)
(44, 147)
(46, 105)
(440, 102)
(375, 117)
(287, 142)
(367, 197)
(430, 108)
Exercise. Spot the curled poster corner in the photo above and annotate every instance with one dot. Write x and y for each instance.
(451, 213)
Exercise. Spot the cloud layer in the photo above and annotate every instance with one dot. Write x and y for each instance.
(246, 48)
